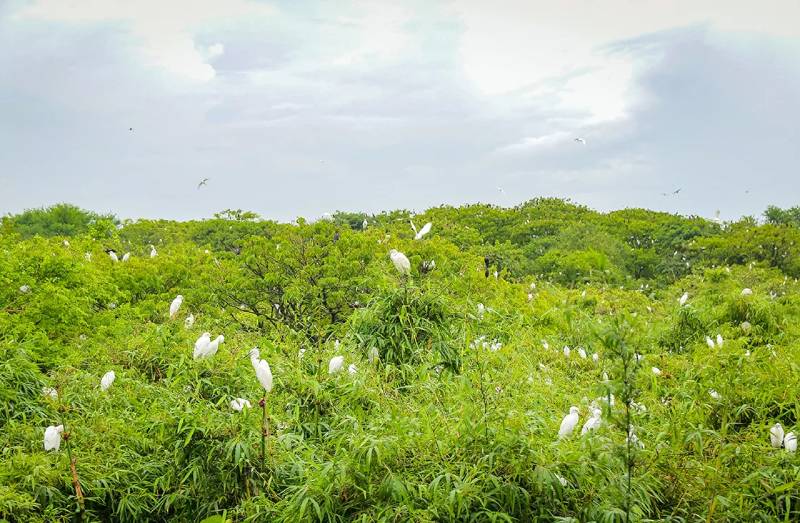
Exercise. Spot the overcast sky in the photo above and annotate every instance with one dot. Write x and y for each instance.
(297, 108)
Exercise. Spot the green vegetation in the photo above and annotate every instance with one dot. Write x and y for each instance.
(460, 381)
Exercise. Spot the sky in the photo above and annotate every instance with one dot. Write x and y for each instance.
(299, 108)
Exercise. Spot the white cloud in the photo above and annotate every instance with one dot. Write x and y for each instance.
(164, 31)
(533, 143)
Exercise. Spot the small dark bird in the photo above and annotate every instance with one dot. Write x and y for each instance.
(130, 129)
(336, 237)
(486, 264)
(676, 191)
(202, 183)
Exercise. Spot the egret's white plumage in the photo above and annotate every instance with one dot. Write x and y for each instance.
(175, 306)
(595, 357)
(683, 299)
(126, 256)
(189, 321)
(263, 372)
(52, 437)
(352, 369)
(747, 292)
(776, 435)
(25, 289)
(709, 342)
(153, 251)
(213, 345)
(87, 256)
(656, 371)
(201, 345)
(335, 365)
(301, 353)
(566, 351)
(582, 353)
(593, 422)
(107, 379)
(790, 442)
(719, 340)
(113, 256)
(422, 232)
(238, 404)
(714, 394)
(568, 423)
(401, 263)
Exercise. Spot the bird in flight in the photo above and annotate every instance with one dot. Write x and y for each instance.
(202, 183)
(130, 129)
(580, 140)
(676, 191)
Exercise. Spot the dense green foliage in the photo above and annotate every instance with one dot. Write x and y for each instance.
(457, 417)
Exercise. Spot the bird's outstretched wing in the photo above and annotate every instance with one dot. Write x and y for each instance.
(202, 183)
(413, 226)
(676, 191)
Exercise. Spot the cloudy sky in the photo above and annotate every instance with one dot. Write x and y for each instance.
(297, 108)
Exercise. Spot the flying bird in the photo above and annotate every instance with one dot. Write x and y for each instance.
(418, 235)
(203, 182)
(580, 140)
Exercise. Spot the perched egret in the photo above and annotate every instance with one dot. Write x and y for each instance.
(201, 345)
(746, 326)
(747, 292)
(238, 404)
(709, 342)
(568, 423)
(335, 365)
(52, 437)
(154, 252)
(126, 256)
(87, 256)
(107, 379)
(656, 371)
(112, 254)
(790, 442)
(364, 225)
(50, 392)
(481, 309)
(401, 263)
(582, 353)
(566, 351)
(683, 299)
(561, 479)
(212, 347)
(25, 289)
(373, 356)
(65, 243)
(189, 321)
(301, 353)
(595, 357)
(263, 372)
(174, 306)
(719, 340)
(714, 394)
(593, 422)
(776, 435)
(352, 369)
(545, 344)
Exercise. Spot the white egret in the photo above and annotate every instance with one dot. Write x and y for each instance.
(582, 353)
(790, 442)
(714, 394)
(335, 365)
(422, 232)
(201, 345)
(212, 347)
(52, 437)
(65, 243)
(25, 289)
(561, 479)
(107, 379)
(154, 252)
(373, 356)
(776, 435)
(174, 306)
(605, 376)
(709, 342)
(189, 321)
(566, 351)
(593, 422)
(530, 296)
(481, 309)
(301, 353)
(595, 357)
(747, 291)
(263, 372)
(352, 369)
(545, 344)
(364, 225)
(238, 404)
(656, 371)
(126, 256)
(400, 261)
(113, 255)
(568, 423)
(719, 340)
(683, 299)
(50, 392)
(87, 256)
(746, 326)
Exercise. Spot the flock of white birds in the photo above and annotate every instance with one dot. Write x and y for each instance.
(205, 347)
